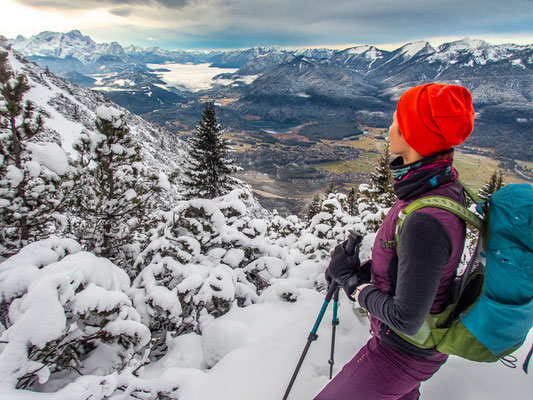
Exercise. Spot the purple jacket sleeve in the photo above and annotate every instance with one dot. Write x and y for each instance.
(424, 249)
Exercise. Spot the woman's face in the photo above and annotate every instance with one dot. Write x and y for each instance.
(398, 145)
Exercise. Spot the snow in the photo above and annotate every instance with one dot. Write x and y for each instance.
(94, 297)
(233, 257)
(249, 352)
(163, 181)
(130, 194)
(222, 336)
(51, 156)
(269, 286)
(108, 113)
(518, 63)
(14, 175)
(358, 49)
(413, 49)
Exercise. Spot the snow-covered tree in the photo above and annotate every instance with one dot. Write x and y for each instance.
(116, 195)
(33, 182)
(207, 171)
(495, 182)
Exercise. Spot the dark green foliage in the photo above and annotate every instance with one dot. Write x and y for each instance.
(207, 172)
(314, 207)
(331, 189)
(383, 180)
(495, 182)
(351, 202)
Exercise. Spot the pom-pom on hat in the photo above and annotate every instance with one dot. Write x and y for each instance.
(435, 117)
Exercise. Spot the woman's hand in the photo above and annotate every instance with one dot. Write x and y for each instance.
(345, 267)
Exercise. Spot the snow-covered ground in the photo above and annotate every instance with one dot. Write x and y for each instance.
(273, 335)
(259, 346)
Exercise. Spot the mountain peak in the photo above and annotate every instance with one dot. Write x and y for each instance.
(465, 44)
(74, 33)
(411, 49)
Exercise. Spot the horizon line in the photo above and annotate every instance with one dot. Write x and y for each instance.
(493, 40)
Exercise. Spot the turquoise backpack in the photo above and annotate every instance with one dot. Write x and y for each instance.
(492, 311)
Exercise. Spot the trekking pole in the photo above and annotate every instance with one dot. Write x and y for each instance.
(334, 288)
(334, 323)
(353, 242)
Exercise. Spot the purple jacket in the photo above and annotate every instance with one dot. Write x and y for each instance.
(385, 263)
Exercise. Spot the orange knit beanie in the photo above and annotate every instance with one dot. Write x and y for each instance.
(435, 117)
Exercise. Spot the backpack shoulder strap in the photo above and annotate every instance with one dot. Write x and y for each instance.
(443, 203)
(473, 195)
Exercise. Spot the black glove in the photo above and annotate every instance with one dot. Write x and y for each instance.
(365, 271)
(342, 262)
(345, 266)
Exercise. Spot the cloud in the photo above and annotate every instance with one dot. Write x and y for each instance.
(242, 23)
(92, 4)
(122, 11)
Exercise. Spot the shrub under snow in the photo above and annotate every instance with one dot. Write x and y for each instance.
(60, 306)
(206, 256)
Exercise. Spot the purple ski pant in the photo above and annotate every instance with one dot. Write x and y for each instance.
(378, 372)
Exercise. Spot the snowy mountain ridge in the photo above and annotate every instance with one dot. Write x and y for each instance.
(72, 44)
(68, 110)
(75, 45)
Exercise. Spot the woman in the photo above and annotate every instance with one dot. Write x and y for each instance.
(409, 282)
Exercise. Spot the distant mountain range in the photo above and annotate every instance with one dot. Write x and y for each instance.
(359, 85)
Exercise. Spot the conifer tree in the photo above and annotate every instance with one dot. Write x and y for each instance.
(314, 207)
(495, 182)
(331, 189)
(208, 168)
(31, 193)
(351, 202)
(115, 196)
(383, 179)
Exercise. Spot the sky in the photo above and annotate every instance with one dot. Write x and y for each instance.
(224, 24)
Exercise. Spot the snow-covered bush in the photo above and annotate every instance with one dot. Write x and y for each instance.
(65, 310)
(284, 231)
(207, 255)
